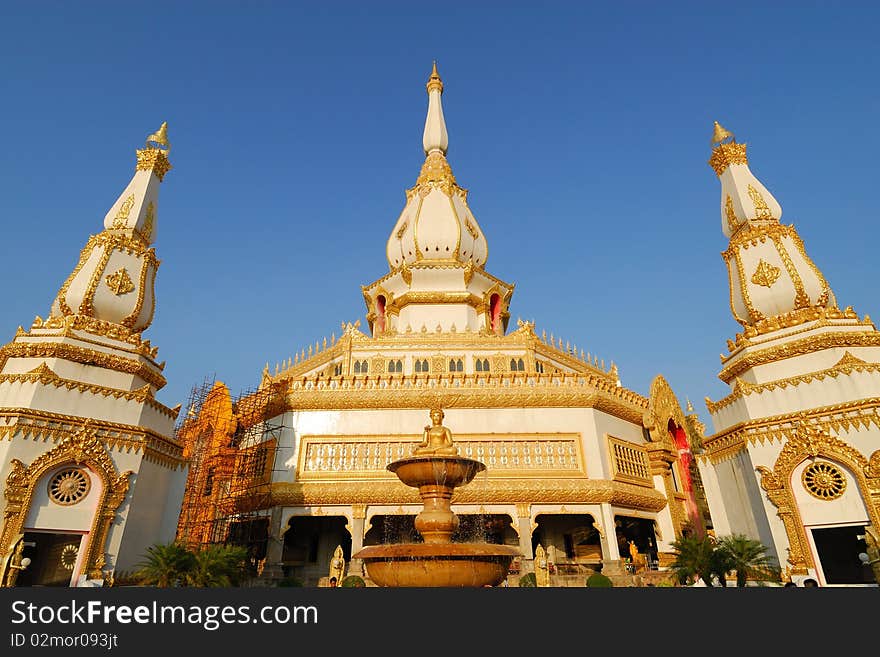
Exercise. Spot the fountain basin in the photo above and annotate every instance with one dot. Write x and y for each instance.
(433, 470)
(437, 565)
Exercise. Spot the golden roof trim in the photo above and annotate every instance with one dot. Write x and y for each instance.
(818, 314)
(838, 417)
(723, 155)
(41, 425)
(83, 356)
(567, 491)
(846, 366)
(798, 348)
(46, 376)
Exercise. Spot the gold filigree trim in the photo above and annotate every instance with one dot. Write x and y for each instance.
(29, 424)
(723, 155)
(479, 491)
(806, 441)
(155, 160)
(435, 174)
(143, 395)
(119, 282)
(81, 448)
(761, 209)
(69, 323)
(792, 319)
(69, 486)
(798, 348)
(839, 418)
(730, 213)
(823, 481)
(82, 355)
(121, 217)
(765, 274)
(845, 366)
(149, 221)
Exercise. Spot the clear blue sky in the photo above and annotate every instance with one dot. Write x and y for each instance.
(581, 129)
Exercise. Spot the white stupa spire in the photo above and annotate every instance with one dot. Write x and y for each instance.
(435, 137)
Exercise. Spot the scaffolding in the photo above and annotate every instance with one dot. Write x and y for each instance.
(232, 447)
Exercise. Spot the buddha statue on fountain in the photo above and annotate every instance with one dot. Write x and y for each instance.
(437, 438)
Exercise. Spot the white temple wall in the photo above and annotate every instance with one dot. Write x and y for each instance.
(430, 315)
(150, 513)
(46, 514)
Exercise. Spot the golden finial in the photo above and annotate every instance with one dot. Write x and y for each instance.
(434, 82)
(160, 136)
(720, 134)
(690, 407)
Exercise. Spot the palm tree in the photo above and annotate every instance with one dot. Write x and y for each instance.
(218, 566)
(164, 565)
(746, 556)
(694, 558)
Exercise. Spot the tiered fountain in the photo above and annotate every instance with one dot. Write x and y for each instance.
(436, 470)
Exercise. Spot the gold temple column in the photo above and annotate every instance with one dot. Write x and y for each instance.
(523, 516)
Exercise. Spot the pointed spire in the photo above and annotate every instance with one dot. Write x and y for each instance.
(720, 134)
(435, 137)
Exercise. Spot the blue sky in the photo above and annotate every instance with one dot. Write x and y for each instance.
(582, 131)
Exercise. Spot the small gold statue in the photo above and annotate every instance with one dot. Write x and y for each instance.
(337, 565)
(437, 439)
(542, 567)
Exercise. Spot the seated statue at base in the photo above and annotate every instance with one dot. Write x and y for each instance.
(437, 439)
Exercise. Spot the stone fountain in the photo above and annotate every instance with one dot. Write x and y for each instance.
(436, 469)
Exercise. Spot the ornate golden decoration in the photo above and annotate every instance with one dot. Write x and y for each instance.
(132, 245)
(845, 366)
(838, 418)
(119, 282)
(732, 221)
(629, 462)
(823, 480)
(155, 160)
(131, 318)
(765, 274)
(160, 137)
(406, 273)
(470, 229)
(121, 217)
(83, 448)
(83, 356)
(761, 209)
(792, 319)
(69, 486)
(149, 221)
(808, 442)
(46, 376)
(719, 134)
(801, 300)
(434, 82)
(69, 555)
(755, 315)
(435, 174)
(479, 491)
(797, 348)
(402, 229)
(724, 155)
(469, 272)
(352, 457)
(29, 424)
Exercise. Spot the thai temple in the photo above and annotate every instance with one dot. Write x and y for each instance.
(580, 470)
(577, 464)
(795, 458)
(91, 468)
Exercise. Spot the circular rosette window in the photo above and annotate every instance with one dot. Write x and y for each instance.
(824, 481)
(68, 556)
(69, 486)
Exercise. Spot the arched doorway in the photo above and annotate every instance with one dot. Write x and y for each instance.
(571, 540)
(309, 543)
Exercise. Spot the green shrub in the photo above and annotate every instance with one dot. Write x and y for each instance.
(353, 581)
(529, 579)
(598, 580)
(290, 581)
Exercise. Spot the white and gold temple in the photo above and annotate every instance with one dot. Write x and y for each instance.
(575, 461)
(795, 458)
(91, 469)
